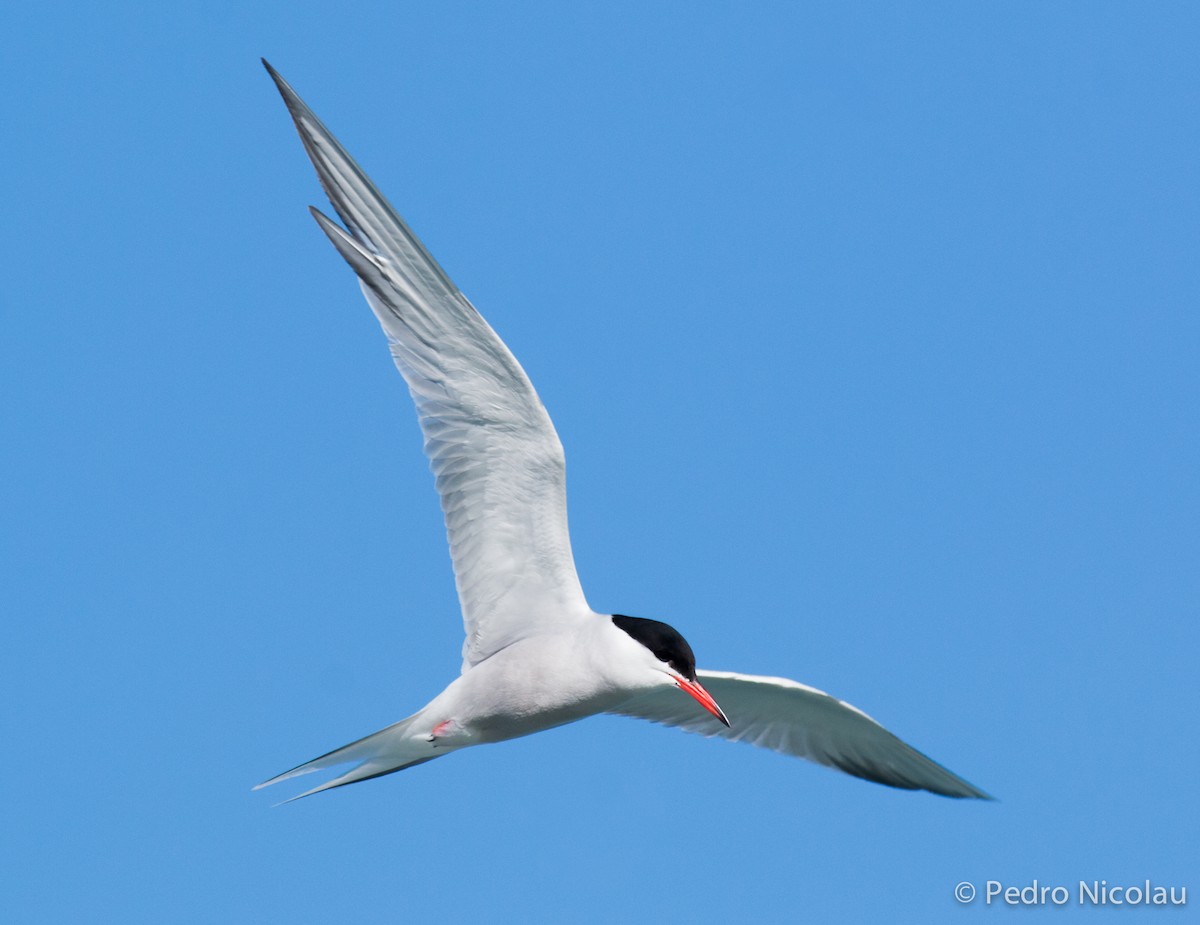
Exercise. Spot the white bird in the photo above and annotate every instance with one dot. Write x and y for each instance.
(536, 655)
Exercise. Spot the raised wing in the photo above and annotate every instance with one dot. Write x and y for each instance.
(496, 458)
(798, 720)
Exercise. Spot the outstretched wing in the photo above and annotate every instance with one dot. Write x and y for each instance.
(798, 720)
(495, 455)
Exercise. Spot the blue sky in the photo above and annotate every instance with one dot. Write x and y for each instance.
(872, 337)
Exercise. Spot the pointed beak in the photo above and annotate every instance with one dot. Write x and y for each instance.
(702, 697)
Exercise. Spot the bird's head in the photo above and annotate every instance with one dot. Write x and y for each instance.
(673, 657)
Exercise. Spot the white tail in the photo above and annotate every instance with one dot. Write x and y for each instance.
(382, 752)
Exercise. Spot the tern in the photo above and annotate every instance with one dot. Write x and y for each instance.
(536, 655)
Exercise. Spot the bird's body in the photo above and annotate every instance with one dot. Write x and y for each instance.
(543, 682)
(532, 685)
(536, 655)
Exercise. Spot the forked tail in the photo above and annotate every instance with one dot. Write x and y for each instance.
(383, 752)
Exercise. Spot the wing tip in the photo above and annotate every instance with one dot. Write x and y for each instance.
(977, 794)
(969, 792)
(927, 775)
(283, 86)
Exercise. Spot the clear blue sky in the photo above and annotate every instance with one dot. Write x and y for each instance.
(873, 339)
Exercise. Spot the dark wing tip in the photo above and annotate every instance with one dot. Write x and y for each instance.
(940, 781)
(290, 97)
(274, 73)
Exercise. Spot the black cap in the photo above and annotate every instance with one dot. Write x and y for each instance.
(663, 640)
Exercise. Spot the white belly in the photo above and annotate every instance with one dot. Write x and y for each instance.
(530, 686)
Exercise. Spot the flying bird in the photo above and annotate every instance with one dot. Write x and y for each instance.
(536, 655)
